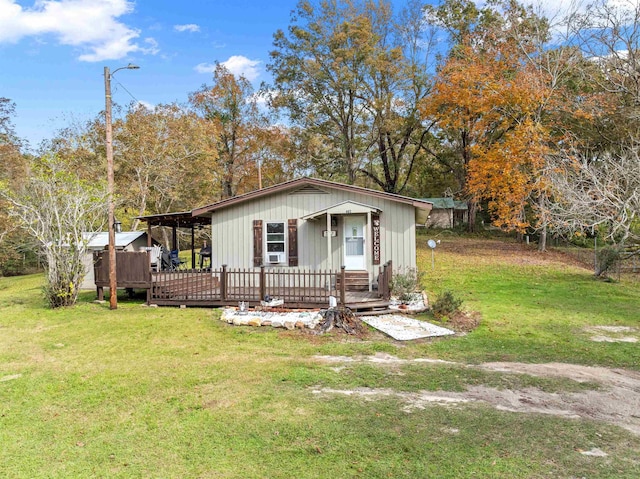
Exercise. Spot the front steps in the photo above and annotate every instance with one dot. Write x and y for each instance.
(355, 281)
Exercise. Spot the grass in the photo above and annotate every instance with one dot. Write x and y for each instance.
(531, 312)
(160, 393)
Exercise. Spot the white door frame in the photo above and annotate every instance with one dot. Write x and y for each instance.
(358, 242)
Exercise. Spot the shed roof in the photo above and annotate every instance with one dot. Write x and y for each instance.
(441, 203)
(99, 240)
(447, 203)
(178, 219)
(460, 205)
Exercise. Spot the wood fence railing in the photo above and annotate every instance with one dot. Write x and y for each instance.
(225, 286)
(296, 287)
(132, 269)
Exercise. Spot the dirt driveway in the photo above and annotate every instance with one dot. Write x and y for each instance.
(617, 401)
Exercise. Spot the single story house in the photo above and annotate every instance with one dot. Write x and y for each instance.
(314, 224)
(304, 242)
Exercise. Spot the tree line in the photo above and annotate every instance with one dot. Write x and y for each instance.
(532, 120)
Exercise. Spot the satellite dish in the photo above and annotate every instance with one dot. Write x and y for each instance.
(431, 243)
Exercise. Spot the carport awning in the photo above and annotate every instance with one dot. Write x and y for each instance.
(344, 208)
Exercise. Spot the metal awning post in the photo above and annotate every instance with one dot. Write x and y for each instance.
(193, 246)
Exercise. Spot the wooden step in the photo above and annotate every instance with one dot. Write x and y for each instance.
(355, 281)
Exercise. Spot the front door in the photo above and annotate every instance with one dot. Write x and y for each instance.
(354, 258)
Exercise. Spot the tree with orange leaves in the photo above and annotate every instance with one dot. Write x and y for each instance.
(493, 98)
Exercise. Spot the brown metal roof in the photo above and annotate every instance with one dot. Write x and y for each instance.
(181, 219)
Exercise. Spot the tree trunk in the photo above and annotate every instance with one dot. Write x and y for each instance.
(473, 209)
(341, 318)
(542, 242)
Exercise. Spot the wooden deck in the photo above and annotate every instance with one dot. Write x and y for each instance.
(225, 287)
(196, 288)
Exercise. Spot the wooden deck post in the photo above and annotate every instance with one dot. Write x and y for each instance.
(388, 274)
(263, 286)
(343, 285)
(223, 282)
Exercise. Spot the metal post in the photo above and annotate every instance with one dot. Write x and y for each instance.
(193, 247)
(113, 282)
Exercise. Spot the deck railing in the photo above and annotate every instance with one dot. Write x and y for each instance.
(226, 286)
(250, 285)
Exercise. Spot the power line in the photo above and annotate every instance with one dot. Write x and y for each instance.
(124, 88)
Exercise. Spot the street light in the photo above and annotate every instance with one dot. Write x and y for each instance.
(113, 283)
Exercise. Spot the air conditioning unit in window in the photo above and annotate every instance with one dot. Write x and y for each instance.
(275, 258)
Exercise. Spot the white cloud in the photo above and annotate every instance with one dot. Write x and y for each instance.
(189, 27)
(242, 66)
(236, 64)
(90, 25)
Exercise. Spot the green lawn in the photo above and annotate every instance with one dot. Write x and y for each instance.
(164, 393)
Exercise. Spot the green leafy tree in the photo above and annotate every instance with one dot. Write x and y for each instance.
(352, 74)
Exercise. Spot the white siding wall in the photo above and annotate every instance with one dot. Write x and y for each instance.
(232, 229)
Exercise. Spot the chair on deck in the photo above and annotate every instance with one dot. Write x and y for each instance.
(205, 253)
(176, 262)
(165, 261)
(156, 253)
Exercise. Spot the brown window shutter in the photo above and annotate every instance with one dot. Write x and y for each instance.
(257, 243)
(375, 237)
(293, 242)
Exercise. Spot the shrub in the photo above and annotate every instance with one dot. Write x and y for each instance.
(404, 283)
(606, 260)
(446, 305)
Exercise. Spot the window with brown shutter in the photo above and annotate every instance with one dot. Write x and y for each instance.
(293, 242)
(257, 243)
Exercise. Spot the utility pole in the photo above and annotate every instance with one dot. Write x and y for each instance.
(113, 281)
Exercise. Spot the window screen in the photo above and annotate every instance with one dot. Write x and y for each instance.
(275, 237)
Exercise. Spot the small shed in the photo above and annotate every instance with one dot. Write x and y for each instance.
(446, 212)
(125, 241)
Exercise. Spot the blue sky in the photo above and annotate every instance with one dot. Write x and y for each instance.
(53, 52)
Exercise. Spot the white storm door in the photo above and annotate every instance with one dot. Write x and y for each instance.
(354, 257)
